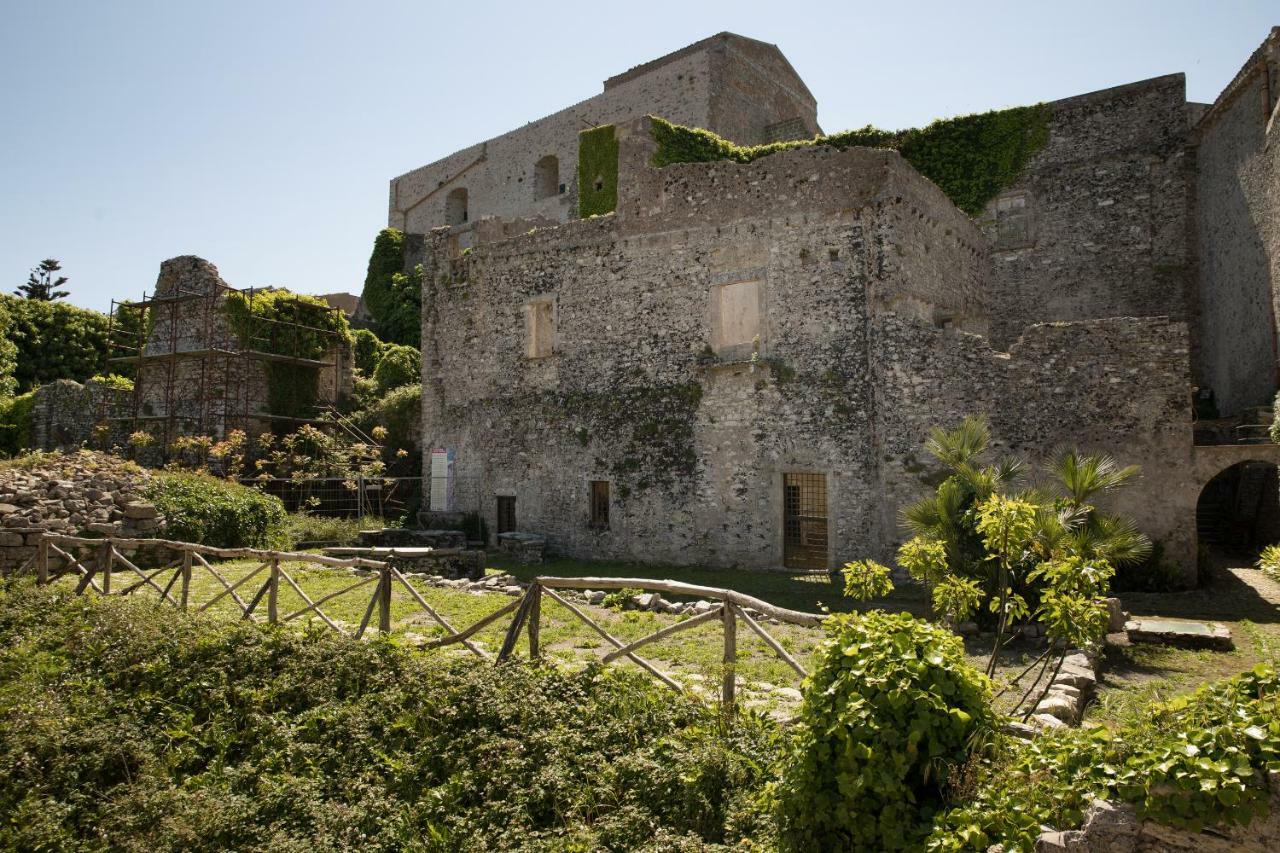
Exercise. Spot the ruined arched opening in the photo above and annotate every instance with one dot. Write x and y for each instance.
(455, 206)
(546, 177)
(1238, 511)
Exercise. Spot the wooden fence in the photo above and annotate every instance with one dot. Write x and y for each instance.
(96, 573)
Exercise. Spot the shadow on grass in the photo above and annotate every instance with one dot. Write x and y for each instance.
(809, 591)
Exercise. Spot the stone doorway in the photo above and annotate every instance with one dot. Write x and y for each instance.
(506, 514)
(1238, 511)
(804, 521)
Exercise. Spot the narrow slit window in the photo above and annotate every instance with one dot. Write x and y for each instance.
(600, 504)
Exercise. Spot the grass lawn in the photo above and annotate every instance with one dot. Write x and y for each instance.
(1133, 678)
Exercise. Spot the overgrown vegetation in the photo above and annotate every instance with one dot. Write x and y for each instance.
(15, 423)
(54, 340)
(211, 511)
(1192, 762)
(131, 726)
(8, 354)
(972, 158)
(399, 366)
(289, 324)
(1269, 562)
(597, 171)
(892, 710)
(394, 297)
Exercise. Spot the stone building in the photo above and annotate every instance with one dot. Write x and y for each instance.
(739, 365)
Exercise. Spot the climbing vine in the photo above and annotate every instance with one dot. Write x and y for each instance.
(648, 430)
(972, 158)
(285, 323)
(597, 171)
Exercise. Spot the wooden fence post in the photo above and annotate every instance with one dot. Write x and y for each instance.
(384, 599)
(273, 592)
(535, 613)
(186, 578)
(730, 656)
(42, 561)
(106, 554)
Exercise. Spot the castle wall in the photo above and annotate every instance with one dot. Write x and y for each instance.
(868, 283)
(1238, 188)
(1098, 225)
(731, 85)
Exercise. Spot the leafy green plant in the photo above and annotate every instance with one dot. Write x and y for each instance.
(597, 171)
(211, 511)
(367, 351)
(393, 297)
(113, 381)
(972, 158)
(54, 340)
(129, 726)
(1269, 562)
(1193, 762)
(400, 365)
(15, 423)
(8, 354)
(866, 579)
(618, 598)
(891, 709)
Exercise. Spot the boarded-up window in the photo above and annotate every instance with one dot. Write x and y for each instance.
(540, 327)
(506, 513)
(599, 504)
(736, 316)
(1013, 221)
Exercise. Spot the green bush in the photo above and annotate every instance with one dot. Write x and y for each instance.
(114, 381)
(15, 423)
(393, 297)
(400, 366)
(971, 158)
(1269, 562)
(132, 727)
(1193, 762)
(399, 412)
(891, 709)
(368, 351)
(300, 528)
(55, 340)
(8, 354)
(212, 511)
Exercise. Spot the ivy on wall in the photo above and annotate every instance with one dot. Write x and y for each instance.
(649, 430)
(285, 323)
(971, 158)
(597, 171)
(393, 297)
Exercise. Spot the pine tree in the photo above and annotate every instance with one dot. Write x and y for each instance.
(41, 285)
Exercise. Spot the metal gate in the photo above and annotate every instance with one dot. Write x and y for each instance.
(804, 521)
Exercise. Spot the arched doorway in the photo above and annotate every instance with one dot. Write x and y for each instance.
(1238, 511)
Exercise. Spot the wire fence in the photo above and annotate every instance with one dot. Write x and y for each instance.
(344, 497)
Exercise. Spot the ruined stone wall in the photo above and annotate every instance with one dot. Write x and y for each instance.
(1238, 219)
(724, 83)
(68, 415)
(1099, 223)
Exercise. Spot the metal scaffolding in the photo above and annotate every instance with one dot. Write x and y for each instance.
(194, 376)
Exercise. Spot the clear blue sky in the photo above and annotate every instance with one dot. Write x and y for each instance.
(261, 135)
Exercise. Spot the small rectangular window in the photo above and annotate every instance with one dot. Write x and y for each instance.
(600, 504)
(506, 513)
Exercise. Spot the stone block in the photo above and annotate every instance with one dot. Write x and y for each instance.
(12, 540)
(140, 510)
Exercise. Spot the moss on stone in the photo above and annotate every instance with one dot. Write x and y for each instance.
(597, 171)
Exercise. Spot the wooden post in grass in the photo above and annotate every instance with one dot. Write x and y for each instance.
(535, 611)
(42, 561)
(186, 578)
(730, 655)
(273, 593)
(105, 559)
(384, 599)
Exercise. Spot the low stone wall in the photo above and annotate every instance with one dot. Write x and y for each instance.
(76, 494)
(66, 415)
(1112, 828)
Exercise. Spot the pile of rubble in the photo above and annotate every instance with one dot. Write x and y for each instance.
(73, 493)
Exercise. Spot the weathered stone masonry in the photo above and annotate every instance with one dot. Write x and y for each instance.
(872, 294)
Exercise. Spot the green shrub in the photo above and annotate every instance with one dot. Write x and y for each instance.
(8, 354)
(114, 381)
(1193, 762)
(597, 171)
(15, 423)
(971, 158)
(55, 340)
(368, 351)
(399, 412)
(132, 727)
(212, 511)
(393, 297)
(400, 366)
(891, 709)
(1269, 562)
(300, 528)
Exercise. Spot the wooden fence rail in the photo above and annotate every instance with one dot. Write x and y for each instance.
(96, 574)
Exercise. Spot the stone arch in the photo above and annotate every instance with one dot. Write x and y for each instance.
(455, 206)
(1238, 508)
(546, 177)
